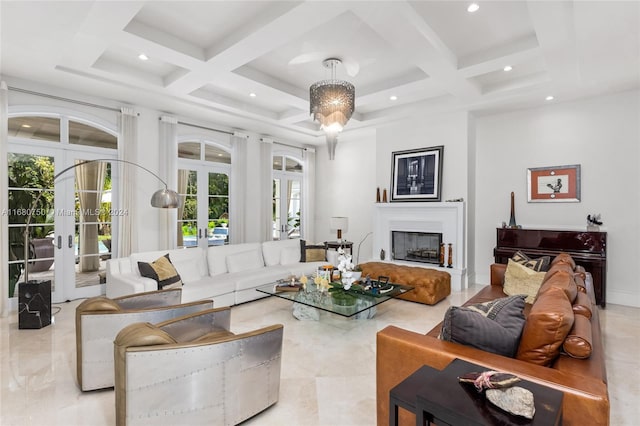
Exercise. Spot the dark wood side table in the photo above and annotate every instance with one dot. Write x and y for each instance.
(437, 396)
(335, 245)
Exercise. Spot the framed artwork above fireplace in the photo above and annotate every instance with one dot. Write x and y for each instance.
(417, 174)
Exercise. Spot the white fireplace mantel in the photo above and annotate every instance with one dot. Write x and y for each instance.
(446, 218)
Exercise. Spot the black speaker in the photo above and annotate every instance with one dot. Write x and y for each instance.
(34, 299)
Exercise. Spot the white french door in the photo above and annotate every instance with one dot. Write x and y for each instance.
(286, 207)
(203, 216)
(70, 230)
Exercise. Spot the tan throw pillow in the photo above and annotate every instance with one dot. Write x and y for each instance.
(538, 265)
(518, 279)
(163, 271)
(312, 253)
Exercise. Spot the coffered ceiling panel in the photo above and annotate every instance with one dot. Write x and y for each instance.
(404, 57)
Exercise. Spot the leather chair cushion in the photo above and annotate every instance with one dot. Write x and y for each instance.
(558, 267)
(578, 343)
(493, 326)
(547, 325)
(98, 304)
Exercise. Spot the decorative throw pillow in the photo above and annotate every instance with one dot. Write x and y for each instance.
(289, 256)
(538, 265)
(245, 261)
(493, 326)
(309, 253)
(518, 279)
(163, 271)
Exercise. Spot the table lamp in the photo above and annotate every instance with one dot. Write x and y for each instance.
(339, 224)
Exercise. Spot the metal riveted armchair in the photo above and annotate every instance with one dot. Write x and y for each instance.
(99, 319)
(194, 370)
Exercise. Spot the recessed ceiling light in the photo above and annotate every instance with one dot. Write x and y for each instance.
(220, 155)
(253, 95)
(507, 68)
(143, 57)
(393, 97)
(473, 7)
(548, 98)
(26, 126)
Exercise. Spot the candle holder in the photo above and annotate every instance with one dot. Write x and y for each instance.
(450, 258)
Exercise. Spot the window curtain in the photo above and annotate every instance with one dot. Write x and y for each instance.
(169, 165)
(183, 181)
(238, 188)
(266, 188)
(127, 146)
(308, 205)
(4, 201)
(90, 182)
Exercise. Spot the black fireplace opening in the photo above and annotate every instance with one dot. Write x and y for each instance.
(421, 247)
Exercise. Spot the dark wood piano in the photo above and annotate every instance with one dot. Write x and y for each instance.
(588, 249)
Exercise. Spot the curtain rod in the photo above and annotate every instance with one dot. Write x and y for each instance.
(60, 98)
(290, 146)
(205, 128)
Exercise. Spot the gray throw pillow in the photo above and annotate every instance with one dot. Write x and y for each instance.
(494, 326)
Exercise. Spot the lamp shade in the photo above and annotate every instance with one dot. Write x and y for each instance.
(339, 223)
(165, 199)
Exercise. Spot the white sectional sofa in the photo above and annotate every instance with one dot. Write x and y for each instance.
(228, 274)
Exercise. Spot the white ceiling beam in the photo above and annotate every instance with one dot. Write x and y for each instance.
(554, 26)
(514, 53)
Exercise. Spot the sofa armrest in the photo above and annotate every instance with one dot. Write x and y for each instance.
(401, 352)
(497, 274)
(126, 284)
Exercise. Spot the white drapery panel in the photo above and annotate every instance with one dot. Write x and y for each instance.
(90, 182)
(238, 188)
(308, 204)
(127, 146)
(168, 171)
(4, 201)
(183, 180)
(266, 189)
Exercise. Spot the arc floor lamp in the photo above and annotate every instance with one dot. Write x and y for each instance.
(164, 198)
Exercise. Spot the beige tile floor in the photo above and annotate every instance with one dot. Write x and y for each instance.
(328, 374)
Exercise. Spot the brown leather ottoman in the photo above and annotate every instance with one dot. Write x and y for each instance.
(430, 286)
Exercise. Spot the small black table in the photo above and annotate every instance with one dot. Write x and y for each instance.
(437, 396)
(335, 245)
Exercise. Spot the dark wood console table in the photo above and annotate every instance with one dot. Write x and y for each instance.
(588, 249)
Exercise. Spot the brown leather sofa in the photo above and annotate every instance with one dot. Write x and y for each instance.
(429, 285)
(584, 383)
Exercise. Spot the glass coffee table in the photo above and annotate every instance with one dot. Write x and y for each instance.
(309, 300)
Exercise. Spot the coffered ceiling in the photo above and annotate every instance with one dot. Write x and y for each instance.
(205, 58)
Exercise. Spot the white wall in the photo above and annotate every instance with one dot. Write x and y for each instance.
(602, 135)
(346, 186)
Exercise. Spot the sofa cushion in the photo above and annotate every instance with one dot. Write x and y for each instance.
(547, 325)
(289, 255)
(245, 261)
(540, 264)
(161, 270)
(217, 256)
(582, 305)
(272, 250)
(312, 253)
(562, 280)
(493, 326)
(564, 258)
(578, 344)
(520, 279)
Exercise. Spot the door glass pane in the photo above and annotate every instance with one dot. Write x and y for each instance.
(40, 128)
(292, 165)
(190, 150)
(216, 155)
(218, 208)
(30, 179)
(277, 163)
(276, 209)
(92, 237)
(293, 208)
(188, 210)
(81, 134)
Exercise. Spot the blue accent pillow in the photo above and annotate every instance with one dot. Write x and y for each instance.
(494, 326)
